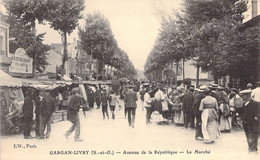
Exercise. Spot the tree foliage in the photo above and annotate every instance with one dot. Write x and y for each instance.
(97, 39)
(63, 16)
(209, 33)
(22, 16)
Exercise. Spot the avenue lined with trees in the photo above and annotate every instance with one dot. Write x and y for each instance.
(211, 34)
(96, 38)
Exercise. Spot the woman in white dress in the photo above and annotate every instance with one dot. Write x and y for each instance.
(209, 117)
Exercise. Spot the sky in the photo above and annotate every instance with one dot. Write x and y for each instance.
(134, 23)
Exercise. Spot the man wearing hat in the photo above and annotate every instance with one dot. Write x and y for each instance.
(130, 105)
(12, 113)
(250, 114)
(28, 107)
(188, 98)
(46, 109)
(214, 93)
(196, 105)
(75, 102)
(249, 86)
(256, 93)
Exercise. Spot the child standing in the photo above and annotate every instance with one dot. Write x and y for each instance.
(112, 103)
(104, 101)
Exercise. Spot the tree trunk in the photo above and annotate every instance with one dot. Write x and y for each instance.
(34, 56)
(91, 63)
(183, 72)
(103, 69)
(34, 66)
(176, 74)
(65, 54)
(197, 76)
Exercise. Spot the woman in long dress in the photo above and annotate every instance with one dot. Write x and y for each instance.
(209, 117)
(225, 118)
(178, 115)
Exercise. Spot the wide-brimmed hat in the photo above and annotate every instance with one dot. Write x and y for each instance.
(220, 88)
(146, 84)
(213, 86)
(249, 85)
(245, 92)
(233, 89)
(75, 90)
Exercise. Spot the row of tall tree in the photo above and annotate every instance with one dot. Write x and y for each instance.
(62, 15)
(211, 34)
(97, 40)
(23, 15)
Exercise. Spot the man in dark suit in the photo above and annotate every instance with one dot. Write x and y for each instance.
(130, 104)
(46, 110)
(250, 114)
(188, 106)
(196, 105)
(28, 113)
(75, 102)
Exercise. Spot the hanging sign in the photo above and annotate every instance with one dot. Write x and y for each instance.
(21, 62)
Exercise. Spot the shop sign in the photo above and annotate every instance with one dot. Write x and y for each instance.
(21, 62)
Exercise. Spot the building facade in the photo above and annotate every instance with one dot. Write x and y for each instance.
(5, 60)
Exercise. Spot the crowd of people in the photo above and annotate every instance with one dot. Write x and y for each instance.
(209, 110)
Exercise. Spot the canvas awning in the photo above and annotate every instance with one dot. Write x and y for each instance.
(94, 82)
(9, 81)
(46, 87)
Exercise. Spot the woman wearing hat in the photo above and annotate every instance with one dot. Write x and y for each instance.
(225, 116)
(209, 117)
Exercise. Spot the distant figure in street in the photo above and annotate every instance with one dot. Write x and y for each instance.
(178, 99)
(142, 92)
(250, 115)
(130, 104)
(104, 103)
(188, 107)
(75, 102)
(225, 116)
(98, 97)
(112, 103)
(38, 101)
(209, 117)
(147, 104)
(28, 107)
(91, 96)
(196, 104)
(234, 102)
(46, 110)
(123, 93)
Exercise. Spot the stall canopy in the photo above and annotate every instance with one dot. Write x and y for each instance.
(46, 87)
(93, 82)
(9, 81)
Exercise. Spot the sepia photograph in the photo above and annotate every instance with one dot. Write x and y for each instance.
(129, 79)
